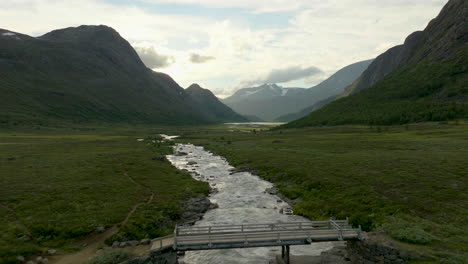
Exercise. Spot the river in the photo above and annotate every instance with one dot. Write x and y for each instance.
(242, 199)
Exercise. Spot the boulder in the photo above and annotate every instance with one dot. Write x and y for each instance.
(123, 244)
(133, 243)
(160, 158)
(272, 191)
(116, 244)
(51, 252)
(145, 241)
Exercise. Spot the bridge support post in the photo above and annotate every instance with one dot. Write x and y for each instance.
(285, 254)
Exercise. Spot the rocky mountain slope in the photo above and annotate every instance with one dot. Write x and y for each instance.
(425, 79)
(271, 101)
(211, 106)
(266, 101)
(86, 74)
(327, 90)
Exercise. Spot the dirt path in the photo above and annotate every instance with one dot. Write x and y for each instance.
(95, 241)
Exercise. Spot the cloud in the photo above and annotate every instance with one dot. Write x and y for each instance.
(330, 34)
(283, 75)
(273, 6)
(197, 58)
(152, 59)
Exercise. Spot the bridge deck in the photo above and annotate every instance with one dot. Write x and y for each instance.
(256, 235)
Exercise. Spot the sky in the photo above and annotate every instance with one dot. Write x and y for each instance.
(225, 45)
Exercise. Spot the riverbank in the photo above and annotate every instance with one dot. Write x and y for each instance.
(398, 179)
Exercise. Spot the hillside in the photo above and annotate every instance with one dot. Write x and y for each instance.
(266, 101)
(427, 80)
(86, 74)
(211, 106)
(327, 90)
(273, 102)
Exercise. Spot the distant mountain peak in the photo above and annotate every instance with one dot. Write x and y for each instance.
(270, 101)
(195, 86)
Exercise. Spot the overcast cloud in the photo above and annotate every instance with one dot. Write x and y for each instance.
(197, 58)
(283, 75)
(152, 59)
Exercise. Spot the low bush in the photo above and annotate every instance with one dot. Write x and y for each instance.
(111, 257)
(408, 231)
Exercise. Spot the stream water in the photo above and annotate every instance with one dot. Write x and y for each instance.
(242, 200)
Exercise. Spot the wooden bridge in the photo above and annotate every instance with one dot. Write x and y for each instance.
(187, 238)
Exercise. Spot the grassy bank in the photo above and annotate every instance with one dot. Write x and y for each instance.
(410, 181)
(59, 185)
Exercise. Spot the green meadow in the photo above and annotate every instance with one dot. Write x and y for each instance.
(409, 181)
(58, 186)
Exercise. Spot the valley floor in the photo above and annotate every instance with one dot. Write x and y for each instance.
(60, 187)
(408, 181)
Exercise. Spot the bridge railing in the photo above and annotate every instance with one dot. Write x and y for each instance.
(256, 228)
(268, 236)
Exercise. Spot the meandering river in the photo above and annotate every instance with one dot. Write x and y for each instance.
(242, 200)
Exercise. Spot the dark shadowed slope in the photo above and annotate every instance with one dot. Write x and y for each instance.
(211, 106)
(428, 82)
(86, 74)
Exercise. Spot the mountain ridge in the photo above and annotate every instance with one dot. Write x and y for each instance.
(275, 101)
(212, 105)
(427, 80)
(86, 74)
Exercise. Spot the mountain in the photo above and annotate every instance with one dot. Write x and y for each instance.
(425, 79)
(327, 90)
(265, 102)
(265, 91)
(86, 74)
(211, 106)
(270, 101)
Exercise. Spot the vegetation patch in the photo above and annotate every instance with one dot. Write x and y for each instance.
(111, 257)
(408, 229)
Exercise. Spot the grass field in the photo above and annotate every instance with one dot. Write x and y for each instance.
(59, 185)
(409, 181)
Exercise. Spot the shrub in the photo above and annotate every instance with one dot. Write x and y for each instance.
(404, 230)
(111, 257)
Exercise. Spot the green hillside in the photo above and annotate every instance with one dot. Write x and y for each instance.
(430, 91)
(424, 79)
